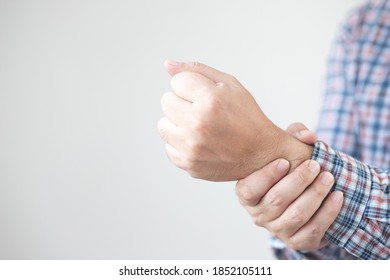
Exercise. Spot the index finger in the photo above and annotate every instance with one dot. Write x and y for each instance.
(251, 189)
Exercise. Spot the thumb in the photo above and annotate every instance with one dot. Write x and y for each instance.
(173, 67)
(302, 133)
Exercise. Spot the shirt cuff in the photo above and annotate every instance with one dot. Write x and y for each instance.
(354, 179)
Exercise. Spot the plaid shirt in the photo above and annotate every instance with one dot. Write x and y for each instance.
(355, 124)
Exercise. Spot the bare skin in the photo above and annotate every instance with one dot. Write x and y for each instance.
(215, 130)
(294, 208)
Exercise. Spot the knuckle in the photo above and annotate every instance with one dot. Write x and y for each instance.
(200, 127)
(191, 167)
(197, 66)
(232, 78)
(320, 191)
(190, 158)
(276, 230)
(195, 174)
(241, 202)
(315, 230)
(187, 164)
(222, 86)
(240, 190)
(213, 104)
(194, 151)
(297, 216)
(272, 175)
(161, 129)
(274, 199)
(302, 177)
(245, 194)
(294, 245)
(258, 220)
(234, 82)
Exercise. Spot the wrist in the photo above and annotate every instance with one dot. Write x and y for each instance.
(293, 150)
(278, 143)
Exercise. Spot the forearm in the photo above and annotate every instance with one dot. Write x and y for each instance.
(280, 144)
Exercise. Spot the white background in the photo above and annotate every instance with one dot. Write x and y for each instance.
(83, 173)
(110, 269)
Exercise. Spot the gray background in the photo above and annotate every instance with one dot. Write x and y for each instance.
(83, 172)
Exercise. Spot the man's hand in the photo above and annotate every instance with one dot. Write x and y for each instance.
(293, 209)
(215, 130)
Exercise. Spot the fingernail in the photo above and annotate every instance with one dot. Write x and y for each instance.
(314, 167)
(283, 165)
(327, 179)
(337, 196)
(173, 62)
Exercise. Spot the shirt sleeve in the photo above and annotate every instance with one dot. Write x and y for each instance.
(361, 230)
(338, 122)
(363, 224)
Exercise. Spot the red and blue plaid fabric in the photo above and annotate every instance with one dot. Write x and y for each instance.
(354, 129)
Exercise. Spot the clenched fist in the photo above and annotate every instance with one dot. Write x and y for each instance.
(213, 127)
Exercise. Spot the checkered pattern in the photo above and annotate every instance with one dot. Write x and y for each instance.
(363, 224)
(355, 121)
